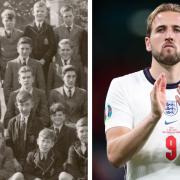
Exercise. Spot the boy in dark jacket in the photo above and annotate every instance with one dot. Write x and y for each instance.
(76, 164)
(43, 163)
(23, 129)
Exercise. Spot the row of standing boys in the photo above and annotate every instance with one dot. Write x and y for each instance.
(43, 134)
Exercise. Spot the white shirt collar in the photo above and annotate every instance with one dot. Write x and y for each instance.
(24, 118)
(59, 128)
(39, 23)
(21, 60)
(30, 91)
(69, 26)
(67, 90)
(68, 61)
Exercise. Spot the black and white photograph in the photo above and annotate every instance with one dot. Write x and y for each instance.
(43, 90)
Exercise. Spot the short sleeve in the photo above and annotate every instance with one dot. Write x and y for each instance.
(117, 109)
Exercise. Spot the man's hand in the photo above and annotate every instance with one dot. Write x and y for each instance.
(17, 165)
(42, 61)
(158, 96)
(178, 96)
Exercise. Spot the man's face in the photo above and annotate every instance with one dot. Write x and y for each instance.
(164, 41)
(58, 118)
(24, 50)
(40, 13)
(25, 107)
(9, 24)
(44, 144)
(68, 17)
(82, 133)
(26, 79)
(65, 51)
(69, 79)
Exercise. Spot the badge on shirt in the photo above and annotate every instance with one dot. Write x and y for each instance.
(171, 108)
(46, 42)
(108, 112)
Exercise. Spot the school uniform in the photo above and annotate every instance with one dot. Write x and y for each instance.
(55, 72)
(39, 110)
(77, 162)
(79, 38)
(76, 105)
(45, 169)
(65, 137)
(43, 43)
(11, 82)
(22, 140)
(8, 45)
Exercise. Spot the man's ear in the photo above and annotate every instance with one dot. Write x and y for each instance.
(148, 44)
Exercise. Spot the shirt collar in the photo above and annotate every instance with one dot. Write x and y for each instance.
(39, 23)
(30, 91)
(67, 61)
(21, 60)
(69, 26)
(59, 128)
(67, 90)
(24, 118)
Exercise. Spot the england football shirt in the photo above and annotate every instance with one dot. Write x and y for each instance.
(127, 104)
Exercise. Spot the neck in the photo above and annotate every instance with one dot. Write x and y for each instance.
(27, 88)
(58, 126)
(172, 72)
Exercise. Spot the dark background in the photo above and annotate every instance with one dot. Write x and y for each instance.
(118, 48)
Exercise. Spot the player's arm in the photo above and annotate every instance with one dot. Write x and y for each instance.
(122, 142)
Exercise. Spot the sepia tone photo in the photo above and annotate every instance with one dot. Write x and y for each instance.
(43, 90)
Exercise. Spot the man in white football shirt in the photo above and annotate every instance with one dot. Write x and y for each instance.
(142, 111)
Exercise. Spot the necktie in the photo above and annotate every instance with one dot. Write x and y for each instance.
(57, 132)
(69, 28)
(24, 62)
(39, 26)
(65, 62)
(70, 93)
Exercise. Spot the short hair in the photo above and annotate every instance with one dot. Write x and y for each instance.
(23, 96)
(65, 42)
(67, 68)
(47, 133)
(161, 8)
(25, 69)
(82, 122)
(2, 129)
(25, 40)
(66, 8)
(8, 13)
(40, 4)
(55, 107)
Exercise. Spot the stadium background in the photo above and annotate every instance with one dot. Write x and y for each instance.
(118, 48)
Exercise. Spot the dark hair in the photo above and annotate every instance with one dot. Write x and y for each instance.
(57, 107)
(67, 68)
(25, 40)
(23, 96)
(25, 69)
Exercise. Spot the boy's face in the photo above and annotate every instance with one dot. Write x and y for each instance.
(68, 17)
(44, 144)
(69, 79)
(24, 50)
(65, 51)
(40, 13)
(82, 133)
(58, 118)
(26, 79)
(25, 107)
(9, 24)
(1, 139)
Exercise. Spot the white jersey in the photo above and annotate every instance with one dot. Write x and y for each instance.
(127, 104)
